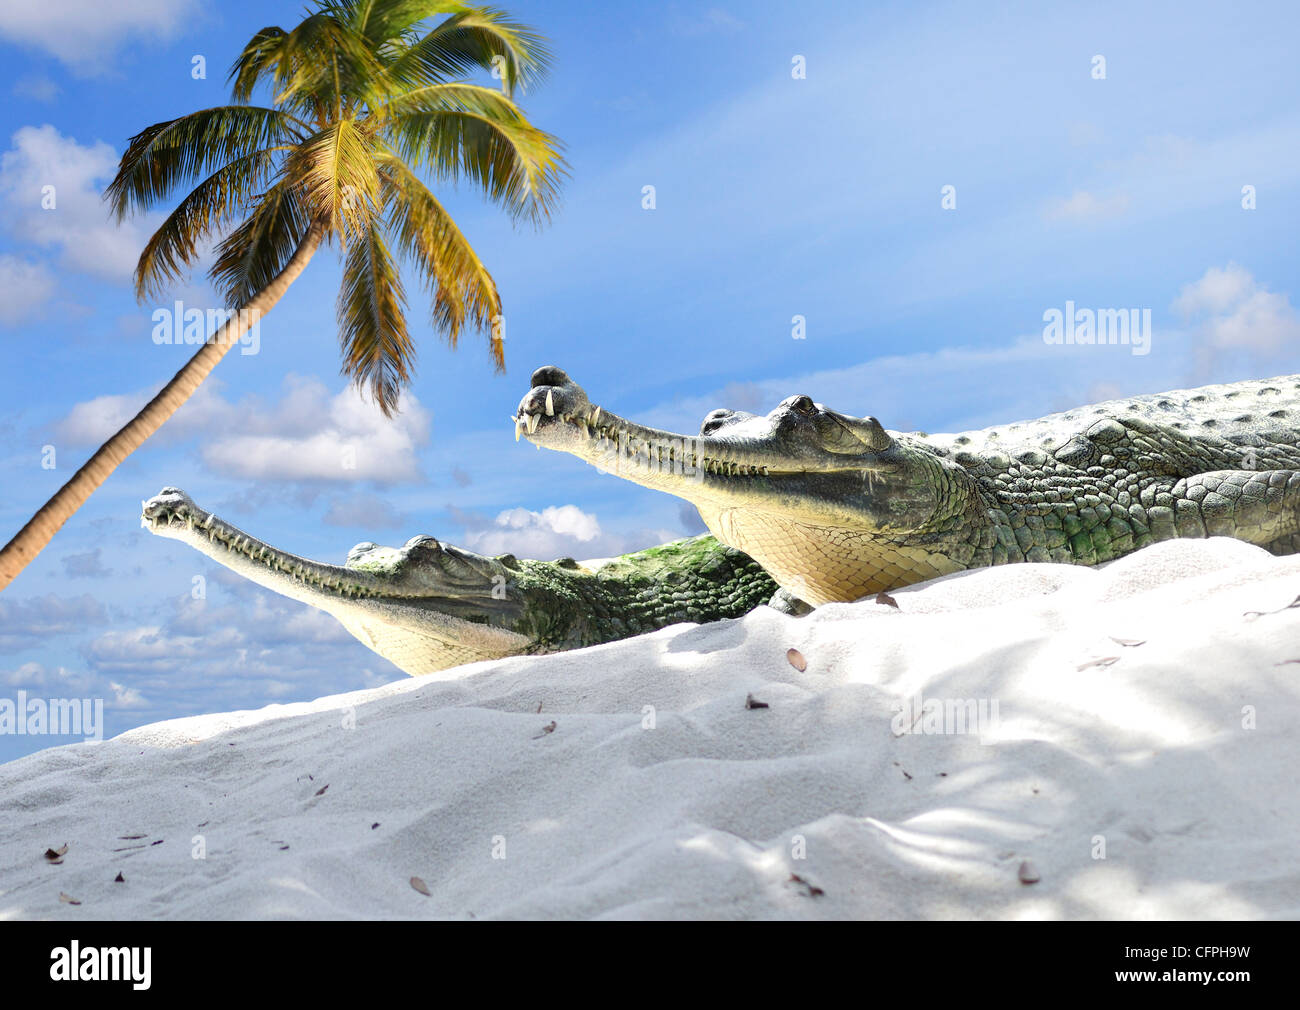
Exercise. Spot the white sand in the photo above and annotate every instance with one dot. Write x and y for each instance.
(702, 815)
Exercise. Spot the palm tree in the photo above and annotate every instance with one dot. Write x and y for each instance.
(364, 101)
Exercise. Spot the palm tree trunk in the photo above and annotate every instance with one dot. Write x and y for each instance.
(40, 529)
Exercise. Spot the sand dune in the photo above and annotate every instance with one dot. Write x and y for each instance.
(1113, 766)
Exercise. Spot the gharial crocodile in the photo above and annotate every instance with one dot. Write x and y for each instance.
(427, 606)
(832, 507)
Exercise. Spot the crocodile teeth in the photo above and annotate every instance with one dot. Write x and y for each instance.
(595, 416)
(533, 421)
(519, 427)
(550, 404)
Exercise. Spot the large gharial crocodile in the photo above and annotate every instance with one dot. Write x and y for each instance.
(825, 506)
(835, 507)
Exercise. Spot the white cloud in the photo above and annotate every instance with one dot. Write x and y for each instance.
(1084, 206)
(125, 697)
(26, 286)
(27, 623)
(698, 22)
(77, 227)
(84, 33)
(243, 643)
(365, 510)
(87, 565)
(309, 435)
(62, 682)
(1238, 311)
(1084, 134)
(58, 681)
(555, 532)
(38, 88)
(1170, 175)
(566, 520)
(312, 436)
(243, 646)
(91, 422)
(1217, 290)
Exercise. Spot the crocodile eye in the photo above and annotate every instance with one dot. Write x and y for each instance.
(803, 405)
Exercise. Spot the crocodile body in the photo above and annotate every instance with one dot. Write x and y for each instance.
(427, 606)
(826, 506)
(835, 507)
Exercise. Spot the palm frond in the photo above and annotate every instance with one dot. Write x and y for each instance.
(378, 353)
(337, 175)
(164, 155)
(380, 21)
(225, 194)
(324, 65)
(257, 62)
(472, 40)
(477, 132)
(250, 257)
(462, 291)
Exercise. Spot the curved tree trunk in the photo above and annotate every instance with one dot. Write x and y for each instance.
(32, 538)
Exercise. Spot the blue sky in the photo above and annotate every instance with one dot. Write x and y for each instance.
(775, 197)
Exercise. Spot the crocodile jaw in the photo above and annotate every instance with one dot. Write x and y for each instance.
(817, 464)
(400, 606)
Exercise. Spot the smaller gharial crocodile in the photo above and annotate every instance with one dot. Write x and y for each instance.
(827, 506)
(427, 606)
